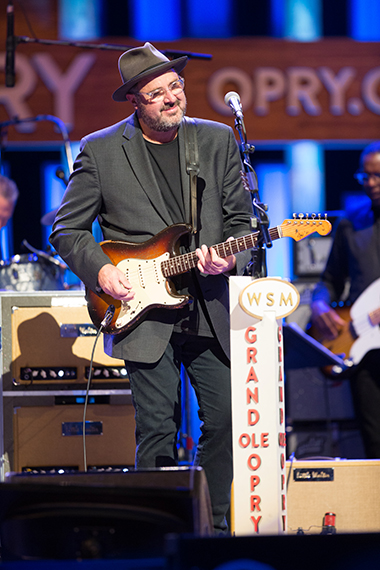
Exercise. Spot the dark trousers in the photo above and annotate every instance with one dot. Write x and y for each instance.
(157, 401)
(365, 386)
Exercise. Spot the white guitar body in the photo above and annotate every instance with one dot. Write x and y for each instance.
(366, 328)
(150, 286)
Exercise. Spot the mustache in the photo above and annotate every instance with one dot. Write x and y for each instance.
(170, 105)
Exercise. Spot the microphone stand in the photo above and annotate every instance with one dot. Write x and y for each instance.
(58, 122)
(259, 221)
(13, 41)
(11, 45)
(115, 47)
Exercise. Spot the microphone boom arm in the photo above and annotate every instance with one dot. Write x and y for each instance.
(115, 47)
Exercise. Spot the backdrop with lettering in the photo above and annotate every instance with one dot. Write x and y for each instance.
(324, 90)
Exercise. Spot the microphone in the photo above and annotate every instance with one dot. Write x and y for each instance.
(10, 48)
(232, 99)
(108, 316)
(60, 173)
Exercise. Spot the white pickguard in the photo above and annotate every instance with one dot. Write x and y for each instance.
(369, 334)
(149, 285)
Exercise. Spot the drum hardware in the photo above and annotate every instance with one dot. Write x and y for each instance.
(48, 218)
(37, 271)
(43, 254)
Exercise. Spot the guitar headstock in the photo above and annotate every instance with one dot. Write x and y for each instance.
(303, 225)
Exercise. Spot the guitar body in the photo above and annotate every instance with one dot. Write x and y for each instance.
(365, 313)
(141, 263)
(341, 345)
(361, 332)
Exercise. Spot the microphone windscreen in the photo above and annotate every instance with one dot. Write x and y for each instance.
(229, 96)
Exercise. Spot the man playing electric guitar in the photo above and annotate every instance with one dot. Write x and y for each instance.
(355, 259)
(134, 176)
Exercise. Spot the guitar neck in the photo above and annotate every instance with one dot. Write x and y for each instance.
(182, 263)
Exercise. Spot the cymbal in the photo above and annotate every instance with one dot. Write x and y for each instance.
(48, 218)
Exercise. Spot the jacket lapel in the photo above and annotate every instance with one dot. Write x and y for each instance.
(139, 162)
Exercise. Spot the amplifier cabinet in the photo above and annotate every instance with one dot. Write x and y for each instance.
(50, 341)
(47, 438)
(47, 342)
(348, 488)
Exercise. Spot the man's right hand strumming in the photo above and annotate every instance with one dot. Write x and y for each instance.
(113, 282)
(325, 320)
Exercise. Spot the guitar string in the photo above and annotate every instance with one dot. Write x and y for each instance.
(362, 325)
(182, 263)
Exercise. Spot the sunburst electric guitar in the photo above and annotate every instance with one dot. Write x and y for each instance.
(148, 267)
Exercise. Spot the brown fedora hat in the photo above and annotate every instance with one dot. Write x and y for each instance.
(141, 62)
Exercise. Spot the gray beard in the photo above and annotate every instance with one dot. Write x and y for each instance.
(161, 124)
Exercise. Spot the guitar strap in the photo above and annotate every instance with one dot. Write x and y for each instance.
(192, 166)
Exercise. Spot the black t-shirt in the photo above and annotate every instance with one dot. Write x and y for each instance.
(165, 163)
(164, 158)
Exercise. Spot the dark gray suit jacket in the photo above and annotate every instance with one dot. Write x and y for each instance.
(113, 179)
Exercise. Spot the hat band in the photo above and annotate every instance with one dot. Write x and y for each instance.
(152, 67)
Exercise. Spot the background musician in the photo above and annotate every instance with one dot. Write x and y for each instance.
(8, 198)
(354, 261)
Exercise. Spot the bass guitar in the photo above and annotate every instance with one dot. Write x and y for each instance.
(148, 267)
(360, 333)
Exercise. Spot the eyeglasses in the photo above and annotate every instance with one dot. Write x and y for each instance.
(176, 88)
(363, 177)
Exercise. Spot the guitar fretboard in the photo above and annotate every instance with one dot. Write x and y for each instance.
(182, 263)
